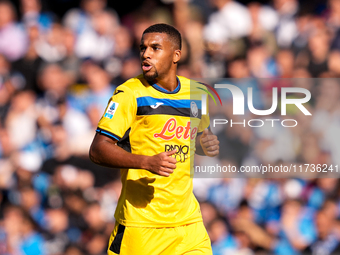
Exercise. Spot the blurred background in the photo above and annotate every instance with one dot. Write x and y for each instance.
(60, 61)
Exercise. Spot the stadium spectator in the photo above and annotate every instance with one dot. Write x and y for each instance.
(79, 19)
(13, 38)
(32, 15)
(327, 240)
(98, 44)
(222, 240)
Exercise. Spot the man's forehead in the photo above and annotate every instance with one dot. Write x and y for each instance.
(152, 38)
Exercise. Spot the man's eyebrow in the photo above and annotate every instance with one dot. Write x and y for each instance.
(156, 44)
(152, 45)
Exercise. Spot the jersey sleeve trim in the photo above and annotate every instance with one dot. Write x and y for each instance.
(107, 133)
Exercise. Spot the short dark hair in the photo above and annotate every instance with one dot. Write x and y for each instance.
(173, 33)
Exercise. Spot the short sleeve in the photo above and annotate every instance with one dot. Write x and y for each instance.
(119, 114)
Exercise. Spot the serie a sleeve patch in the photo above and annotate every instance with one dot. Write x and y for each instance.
(111, 109)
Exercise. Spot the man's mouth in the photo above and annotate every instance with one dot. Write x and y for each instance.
(146, 66)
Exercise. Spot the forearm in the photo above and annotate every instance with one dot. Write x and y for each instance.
(109, 154)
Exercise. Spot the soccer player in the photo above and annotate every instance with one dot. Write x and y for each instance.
(146, 130)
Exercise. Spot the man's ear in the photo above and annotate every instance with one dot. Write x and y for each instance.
(177, 56)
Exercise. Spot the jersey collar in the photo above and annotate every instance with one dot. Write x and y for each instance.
(159, 88)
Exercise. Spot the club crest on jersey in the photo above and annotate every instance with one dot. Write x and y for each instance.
(111, 109)
(194, 109)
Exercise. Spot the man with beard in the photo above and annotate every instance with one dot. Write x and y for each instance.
(150, 118)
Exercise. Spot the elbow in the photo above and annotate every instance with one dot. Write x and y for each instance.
(93, 155)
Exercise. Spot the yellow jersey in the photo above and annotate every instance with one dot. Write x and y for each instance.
(146, 119)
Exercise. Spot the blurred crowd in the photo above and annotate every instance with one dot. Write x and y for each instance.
(275, 212)
(58, 72)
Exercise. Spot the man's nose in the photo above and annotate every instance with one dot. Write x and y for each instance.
(147, 53)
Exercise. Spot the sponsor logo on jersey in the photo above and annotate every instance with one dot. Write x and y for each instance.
(111, 109)
(172, 130)
(182, 153)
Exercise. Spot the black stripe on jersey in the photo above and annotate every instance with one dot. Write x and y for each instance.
(165, 110)
(125, 141)
(117, 242)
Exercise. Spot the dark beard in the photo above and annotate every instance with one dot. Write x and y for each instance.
(151, 77)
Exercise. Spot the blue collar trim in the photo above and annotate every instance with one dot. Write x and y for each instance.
(159, 88)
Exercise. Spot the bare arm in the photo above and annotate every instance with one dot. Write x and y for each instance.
(104, 151)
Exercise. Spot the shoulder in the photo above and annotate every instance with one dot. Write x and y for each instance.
(134, 83)
(186, 83)
(193, 84)
(131, 87)
(183, 79)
